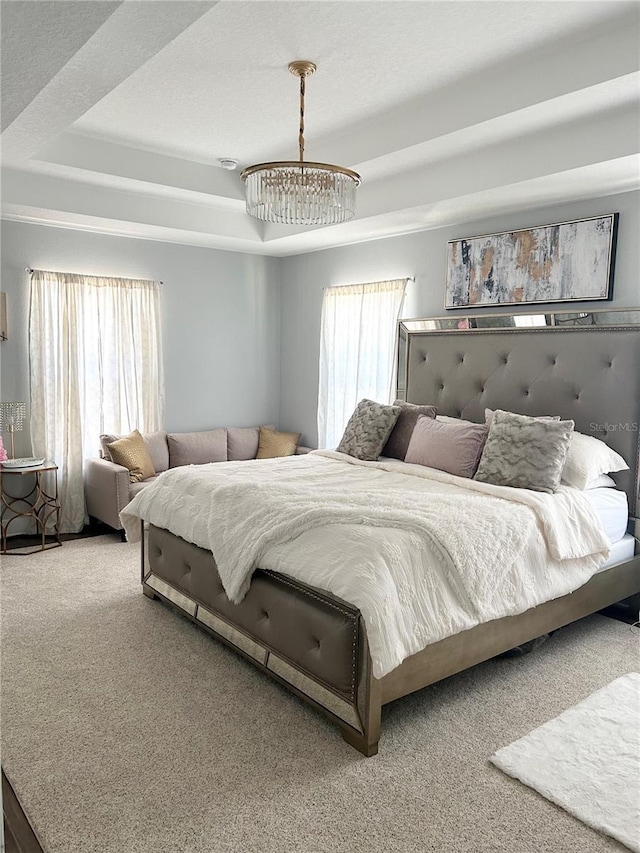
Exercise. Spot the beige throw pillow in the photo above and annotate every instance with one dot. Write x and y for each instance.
(156, 445)
(132, 453)
(273, 443)
(242, 442)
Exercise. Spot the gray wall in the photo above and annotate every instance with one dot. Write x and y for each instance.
(422, 255)
(221, 320)
(226, 361)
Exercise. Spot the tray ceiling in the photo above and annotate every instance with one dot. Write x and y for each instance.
(449, 111)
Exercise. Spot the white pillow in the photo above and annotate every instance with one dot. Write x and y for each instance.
(587, 459)
(604, 481)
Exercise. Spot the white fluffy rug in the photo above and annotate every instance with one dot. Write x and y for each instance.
(587, 760)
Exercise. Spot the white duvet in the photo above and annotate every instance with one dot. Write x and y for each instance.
(421, 553)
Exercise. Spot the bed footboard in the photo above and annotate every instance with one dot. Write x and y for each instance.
(310, 641)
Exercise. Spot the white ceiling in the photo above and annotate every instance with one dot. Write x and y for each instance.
(449, 110)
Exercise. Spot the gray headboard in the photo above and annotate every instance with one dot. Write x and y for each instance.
(580, 366)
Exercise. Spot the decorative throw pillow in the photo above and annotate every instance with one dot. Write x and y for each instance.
(489, 413)
(197, 448)
(398, 441)
(273, 443)
(368, 429)
(242, 442)
(525, 453)
(131, 452)
(454, 448)
(156, 445)
(588, 458)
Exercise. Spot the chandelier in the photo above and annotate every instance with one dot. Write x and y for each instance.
(299, 192)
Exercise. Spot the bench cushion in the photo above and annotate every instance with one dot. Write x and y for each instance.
(197, 448)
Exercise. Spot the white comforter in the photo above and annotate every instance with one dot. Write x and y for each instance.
(421, 553)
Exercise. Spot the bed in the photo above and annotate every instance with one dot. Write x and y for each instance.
(580, 366)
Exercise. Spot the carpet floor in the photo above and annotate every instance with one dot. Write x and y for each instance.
(125, 729)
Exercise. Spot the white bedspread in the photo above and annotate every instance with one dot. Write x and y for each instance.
(421, 553)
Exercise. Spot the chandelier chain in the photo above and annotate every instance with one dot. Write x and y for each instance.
(301, 134)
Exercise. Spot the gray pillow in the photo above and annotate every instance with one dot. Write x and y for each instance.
(524, 452)
(454, 448)
(197, 448)
(398, 441)
(368, 429)
(489, 413)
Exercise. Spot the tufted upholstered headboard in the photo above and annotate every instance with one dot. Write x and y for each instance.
(580, 366)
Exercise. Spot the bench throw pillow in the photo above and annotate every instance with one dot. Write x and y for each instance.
(273, 443)
(242, 442)
(524, 452)
(398, 441)
(156, 445)
(131, 452)
(368, 429)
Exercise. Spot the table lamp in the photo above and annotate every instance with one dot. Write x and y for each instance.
(12, 416)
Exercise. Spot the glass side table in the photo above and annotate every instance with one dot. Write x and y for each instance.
(38, 505)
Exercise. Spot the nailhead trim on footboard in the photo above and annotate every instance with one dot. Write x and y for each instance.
(314, 633)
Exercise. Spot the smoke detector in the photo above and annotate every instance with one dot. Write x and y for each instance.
(228, 163)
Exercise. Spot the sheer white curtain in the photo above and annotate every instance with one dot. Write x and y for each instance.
(96, 366)
(357, 346)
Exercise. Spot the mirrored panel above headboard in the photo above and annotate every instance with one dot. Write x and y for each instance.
(566, 319)
(610, 317)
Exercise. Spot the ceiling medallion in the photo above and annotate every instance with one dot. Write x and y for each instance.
(298, 192)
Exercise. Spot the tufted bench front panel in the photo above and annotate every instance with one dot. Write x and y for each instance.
(313, 630)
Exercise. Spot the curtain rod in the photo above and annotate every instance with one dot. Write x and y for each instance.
(30, 270)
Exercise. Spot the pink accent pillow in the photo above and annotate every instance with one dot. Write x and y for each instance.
(454, 448)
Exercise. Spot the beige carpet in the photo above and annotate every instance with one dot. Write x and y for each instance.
(127, 730)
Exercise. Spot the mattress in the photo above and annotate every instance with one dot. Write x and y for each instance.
(620, 552)
(612, 508)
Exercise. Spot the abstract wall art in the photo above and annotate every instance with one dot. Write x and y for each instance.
(564, 262)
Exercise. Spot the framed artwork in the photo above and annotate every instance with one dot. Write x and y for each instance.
(564, 262)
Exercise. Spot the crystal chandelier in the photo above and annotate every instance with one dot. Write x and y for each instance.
(298, 192)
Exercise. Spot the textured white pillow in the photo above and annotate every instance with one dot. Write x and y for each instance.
(587, 459)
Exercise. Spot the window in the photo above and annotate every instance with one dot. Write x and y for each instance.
(357, 345)
(96, 366)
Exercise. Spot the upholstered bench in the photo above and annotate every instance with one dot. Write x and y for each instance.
(110, 486)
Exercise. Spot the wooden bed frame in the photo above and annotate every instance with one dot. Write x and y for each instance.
(566, 366)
